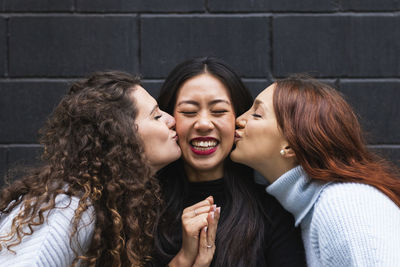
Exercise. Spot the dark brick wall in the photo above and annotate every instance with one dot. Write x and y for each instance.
(46, 44)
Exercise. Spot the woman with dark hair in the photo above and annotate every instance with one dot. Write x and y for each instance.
(306, 140)
(205, 95)
(95, 200)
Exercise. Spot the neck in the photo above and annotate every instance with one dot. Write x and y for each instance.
(196, 175)
(274, 170)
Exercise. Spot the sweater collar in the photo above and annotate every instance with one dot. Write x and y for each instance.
(296, 193)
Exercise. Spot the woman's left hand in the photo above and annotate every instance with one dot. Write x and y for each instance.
(207, 239)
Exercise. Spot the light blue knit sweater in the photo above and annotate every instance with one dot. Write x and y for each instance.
(343, 224)
(49, 245)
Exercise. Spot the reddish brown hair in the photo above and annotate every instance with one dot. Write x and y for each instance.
(324, 132)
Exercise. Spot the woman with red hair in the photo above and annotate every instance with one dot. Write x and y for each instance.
(306, 140)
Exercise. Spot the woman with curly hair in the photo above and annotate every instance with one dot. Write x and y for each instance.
(95, 199)
(307, 142)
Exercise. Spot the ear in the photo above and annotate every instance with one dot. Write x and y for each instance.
(289, 152)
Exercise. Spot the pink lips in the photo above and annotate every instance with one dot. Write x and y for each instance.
(237, 136)
(204, 152)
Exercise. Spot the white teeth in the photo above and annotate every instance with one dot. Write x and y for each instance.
(204, 144)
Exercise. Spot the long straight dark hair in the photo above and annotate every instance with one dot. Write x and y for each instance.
(235, 227)
(326, 136)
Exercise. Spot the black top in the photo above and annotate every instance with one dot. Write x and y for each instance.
(282, 243)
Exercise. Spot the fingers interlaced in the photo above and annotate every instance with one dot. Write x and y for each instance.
(198, 208)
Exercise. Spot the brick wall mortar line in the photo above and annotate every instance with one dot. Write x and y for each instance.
(72, 79)
(198, 14)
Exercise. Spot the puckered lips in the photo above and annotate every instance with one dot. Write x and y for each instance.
(175, 137)
(204, 145)
(237, 136)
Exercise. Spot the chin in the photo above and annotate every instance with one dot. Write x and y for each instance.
(235, 157)
(178, 151)
(175, 158)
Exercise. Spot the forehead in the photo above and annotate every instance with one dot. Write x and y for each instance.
(143, 100)
(266, 95)
(141, 95)
(203, 86)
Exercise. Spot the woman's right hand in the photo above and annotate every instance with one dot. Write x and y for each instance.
(194, 219)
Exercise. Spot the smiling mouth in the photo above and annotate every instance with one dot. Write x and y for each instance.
(204, 146)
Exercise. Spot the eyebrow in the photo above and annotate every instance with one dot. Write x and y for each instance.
(213, 102)
(258, 102)
(216, 101)
(154, 109)
(188, 102)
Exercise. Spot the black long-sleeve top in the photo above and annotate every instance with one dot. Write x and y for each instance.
(282, 244)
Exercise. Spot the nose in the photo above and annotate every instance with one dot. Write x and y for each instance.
(241, 121)
(169, 121)
(204, 123)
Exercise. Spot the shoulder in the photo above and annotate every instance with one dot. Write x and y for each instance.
(67, 205)
(266, 199)
(349, 196)
(354, 214)
(61, 219)
(271, 207)
(283, 243)
(51, 240)
(351, 220)
(350, 200)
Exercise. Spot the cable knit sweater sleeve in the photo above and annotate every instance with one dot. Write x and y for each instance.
(355, 225)
(49, 245)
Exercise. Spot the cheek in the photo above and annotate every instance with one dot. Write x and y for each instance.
(182, 125)
(266, 141)
(227, 130)
(154, 134)
(228, 125)
(256, 137)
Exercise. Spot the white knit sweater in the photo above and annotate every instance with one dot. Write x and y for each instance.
(343, 224)
(49, 245)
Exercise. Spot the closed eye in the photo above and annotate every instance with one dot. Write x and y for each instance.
(188, 112)
(255, 115)
(219, 111)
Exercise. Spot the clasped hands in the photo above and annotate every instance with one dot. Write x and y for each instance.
(199, 227)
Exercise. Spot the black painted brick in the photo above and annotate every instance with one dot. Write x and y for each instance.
(3, 163)
(153, 87)
(272, 5)
(37, 5)
(24, 155)
(243, 42)
(256, 87)
(359, 46)
(377, 104)
(389, 153)
(24, 107)
(72, 46)
(3, 47)
(140, 5)
(370, 5)
(21, 159)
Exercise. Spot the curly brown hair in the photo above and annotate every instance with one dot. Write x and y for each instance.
(92, 151)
